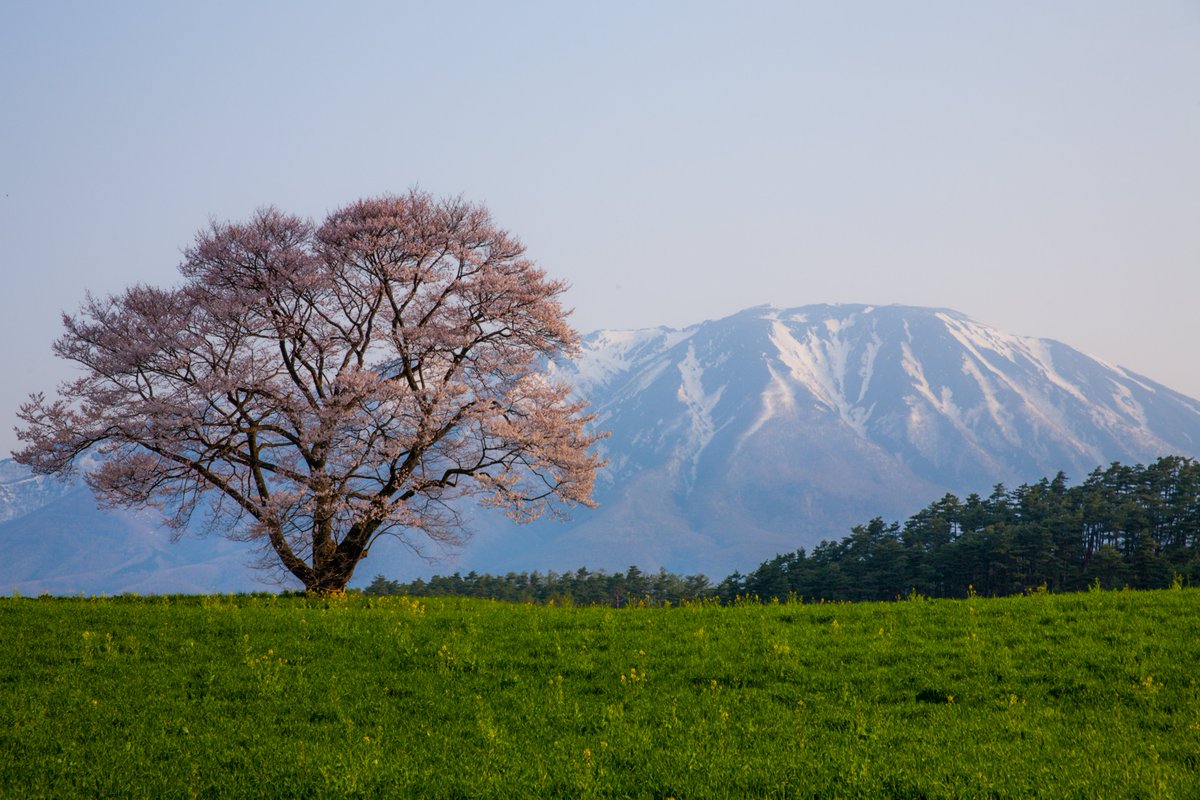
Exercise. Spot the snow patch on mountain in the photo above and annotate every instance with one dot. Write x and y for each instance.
(699, 404)
(820, 365)
(23, 493)
(777, 399)
(607, 354)
(1123, 397)
(867, 365)
(1039, 353)
(976, 337)
(912, 367)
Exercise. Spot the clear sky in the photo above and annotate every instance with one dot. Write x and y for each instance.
(1035, 165)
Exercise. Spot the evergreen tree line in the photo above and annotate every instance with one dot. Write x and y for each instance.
(1136, 526)
(581, 587)
(1123, 526)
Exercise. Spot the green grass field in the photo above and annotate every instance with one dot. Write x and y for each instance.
(1086, 695)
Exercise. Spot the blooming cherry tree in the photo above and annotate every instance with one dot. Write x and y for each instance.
(314, 388)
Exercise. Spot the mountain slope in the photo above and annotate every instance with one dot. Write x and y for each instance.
(61, 543)
(731, 440)
(774, 428)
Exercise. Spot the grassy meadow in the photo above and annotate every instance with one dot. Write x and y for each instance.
(1083, 695)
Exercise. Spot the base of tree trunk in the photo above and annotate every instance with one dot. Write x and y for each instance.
(326, 593)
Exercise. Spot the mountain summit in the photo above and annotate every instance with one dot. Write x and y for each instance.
(953, 401)
(771, 429)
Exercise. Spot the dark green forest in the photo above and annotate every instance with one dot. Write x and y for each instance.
(1135, 526)
(582, 587)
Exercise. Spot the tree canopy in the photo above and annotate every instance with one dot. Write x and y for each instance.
(314, 387)
(1136, 526)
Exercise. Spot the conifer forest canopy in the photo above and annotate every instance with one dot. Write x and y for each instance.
(311, 388)
(1124, 526)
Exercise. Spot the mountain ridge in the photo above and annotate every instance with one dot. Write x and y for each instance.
(822, 369)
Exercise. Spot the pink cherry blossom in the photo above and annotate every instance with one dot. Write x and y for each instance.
(314, 388)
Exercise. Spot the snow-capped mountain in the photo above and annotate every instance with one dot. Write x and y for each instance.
(738, 438)
(954, 401)
(731, 440)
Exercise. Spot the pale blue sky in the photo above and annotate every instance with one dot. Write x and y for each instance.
(1035, 165)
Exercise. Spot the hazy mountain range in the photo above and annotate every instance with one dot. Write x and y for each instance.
(731, 440)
